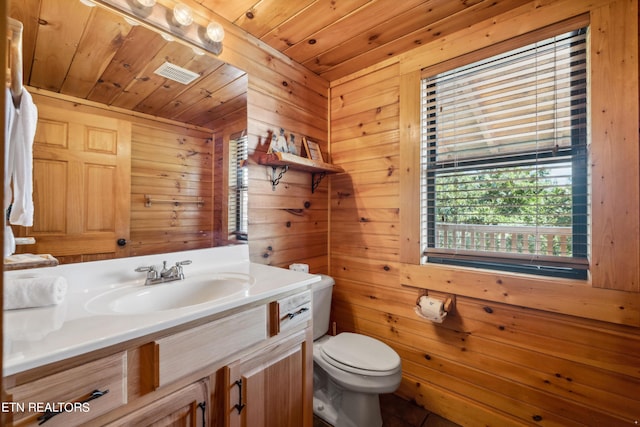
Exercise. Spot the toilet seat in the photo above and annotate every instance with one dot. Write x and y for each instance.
(360, 354)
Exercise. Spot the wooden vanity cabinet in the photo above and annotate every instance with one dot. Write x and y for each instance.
(188, 406)
(187, 375)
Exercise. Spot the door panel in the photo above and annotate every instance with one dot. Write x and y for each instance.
(81, 185)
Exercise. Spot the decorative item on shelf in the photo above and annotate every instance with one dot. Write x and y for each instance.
(307, 158)
(278, 143)
(291, 147)
(312, 150)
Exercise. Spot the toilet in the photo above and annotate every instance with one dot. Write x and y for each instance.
(349, 370)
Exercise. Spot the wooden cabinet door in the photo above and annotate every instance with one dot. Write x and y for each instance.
(81, 173)
(188, 406)
(270, 389)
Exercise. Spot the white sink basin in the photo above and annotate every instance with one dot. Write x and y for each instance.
(192, 291)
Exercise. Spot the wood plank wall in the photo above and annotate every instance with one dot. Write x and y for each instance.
(168, 161)
(287, 224)
(493, 361)
(171, 164)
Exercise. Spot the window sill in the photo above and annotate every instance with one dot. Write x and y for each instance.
(564, 296)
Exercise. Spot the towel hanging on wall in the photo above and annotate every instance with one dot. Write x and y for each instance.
(20, 130)
(21, 118)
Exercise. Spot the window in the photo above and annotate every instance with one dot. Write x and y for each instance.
(238, 187)
(504, 161)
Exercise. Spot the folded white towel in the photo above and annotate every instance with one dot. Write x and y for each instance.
(34, 292)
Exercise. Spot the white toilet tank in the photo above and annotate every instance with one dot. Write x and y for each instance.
(321, 305)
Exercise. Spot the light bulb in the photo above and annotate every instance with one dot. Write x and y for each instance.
(197, 51)
(182, 14)
(146, 3)
(215, 32)
(131, 21)
(167, 37)
(88, 3)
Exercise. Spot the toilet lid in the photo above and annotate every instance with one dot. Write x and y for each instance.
(360, 352)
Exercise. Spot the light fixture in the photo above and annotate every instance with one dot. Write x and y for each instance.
(177, 22)
(167, 37)
(197, 51)
(130, 21)
(215, 32)
(182, 14)
(88, 3)
(146, 3)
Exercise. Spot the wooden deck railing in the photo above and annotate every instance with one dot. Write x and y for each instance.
(495, 238)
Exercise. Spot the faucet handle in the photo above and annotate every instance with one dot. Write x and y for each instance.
(186, 262)
(151, 271)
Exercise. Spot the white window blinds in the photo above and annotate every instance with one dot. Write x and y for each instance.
(504, 152)
(238, 202)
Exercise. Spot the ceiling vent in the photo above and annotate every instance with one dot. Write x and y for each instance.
(175, 73)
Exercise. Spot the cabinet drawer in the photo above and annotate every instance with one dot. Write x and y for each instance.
(294, 310)
(186, 352)
(100, 384)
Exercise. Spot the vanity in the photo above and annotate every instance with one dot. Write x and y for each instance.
(230, 345)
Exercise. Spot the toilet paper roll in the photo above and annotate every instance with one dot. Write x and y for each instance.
(431, 309)
(299, 267)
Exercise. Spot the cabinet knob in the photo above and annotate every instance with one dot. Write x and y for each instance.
(121, 242)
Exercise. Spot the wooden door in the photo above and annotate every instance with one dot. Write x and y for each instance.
(185, 407)
(268, 390)
(81, 172)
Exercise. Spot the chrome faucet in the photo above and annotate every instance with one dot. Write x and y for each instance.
(165, 275)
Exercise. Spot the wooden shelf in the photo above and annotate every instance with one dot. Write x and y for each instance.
(288, 161)
(298, 163)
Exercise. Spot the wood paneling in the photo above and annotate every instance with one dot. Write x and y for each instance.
(571, 356)
(171, 165)
(336, 38)
(94, 54)
(615, 150)
(280, 93)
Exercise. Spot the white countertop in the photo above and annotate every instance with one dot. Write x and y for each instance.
(37, 336)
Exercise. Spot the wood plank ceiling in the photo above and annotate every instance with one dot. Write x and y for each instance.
(334, 38)
(92, 54)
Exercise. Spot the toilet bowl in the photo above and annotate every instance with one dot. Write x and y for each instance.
(350, 370)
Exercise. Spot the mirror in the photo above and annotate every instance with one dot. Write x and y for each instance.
(93, 76)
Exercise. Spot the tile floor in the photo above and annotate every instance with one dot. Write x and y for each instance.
(397, 412)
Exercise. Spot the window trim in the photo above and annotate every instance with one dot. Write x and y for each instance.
(612, 292)
(410, 125)
(575, 266)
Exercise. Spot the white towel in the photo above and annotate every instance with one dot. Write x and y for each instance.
(20, 129)
(9, 119)
(9, 241)
(34, 292)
